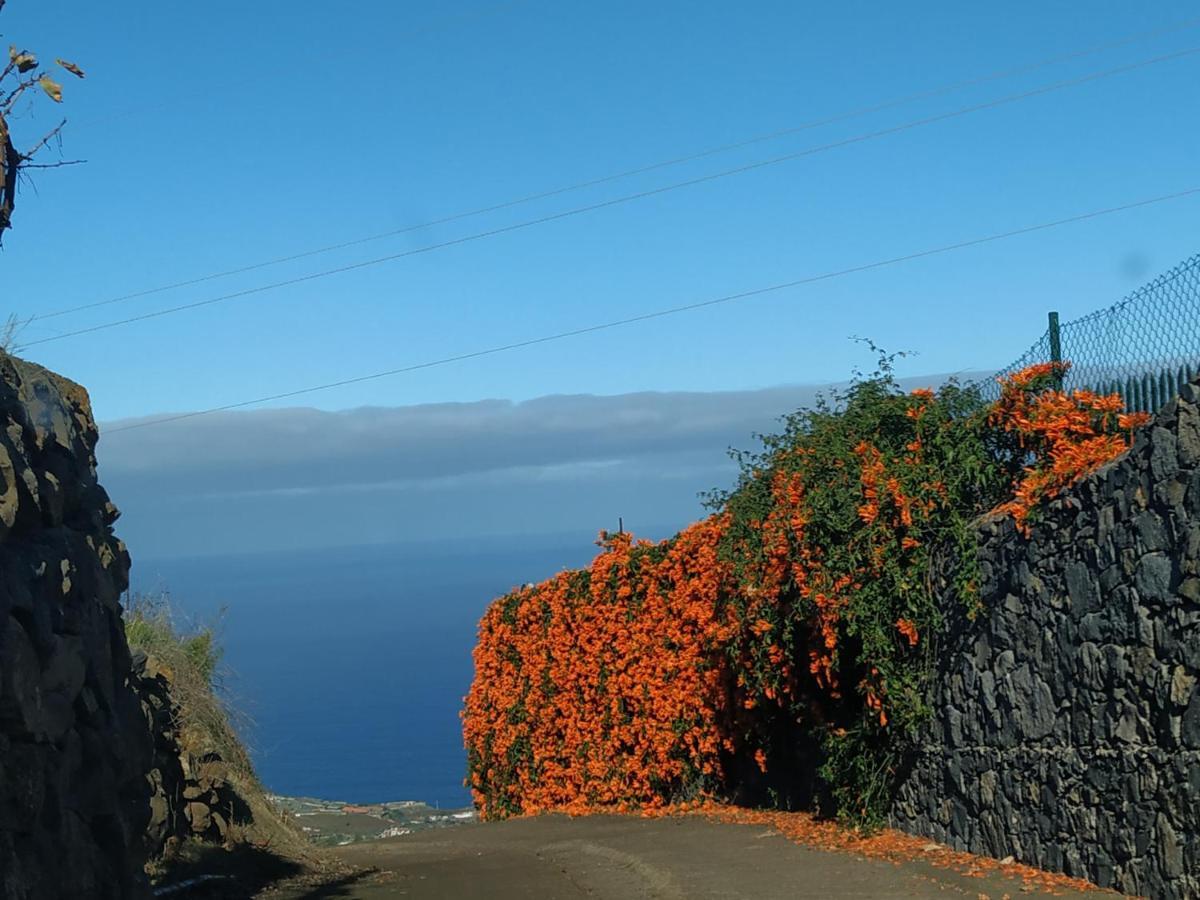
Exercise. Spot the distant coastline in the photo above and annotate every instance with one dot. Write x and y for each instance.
(335, 823)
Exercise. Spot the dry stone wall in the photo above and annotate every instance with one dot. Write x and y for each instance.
(191, 795)
(1066, 725)
(73, 745)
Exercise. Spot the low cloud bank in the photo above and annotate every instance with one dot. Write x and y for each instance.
(302, 478)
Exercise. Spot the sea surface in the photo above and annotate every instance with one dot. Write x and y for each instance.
(352, 663)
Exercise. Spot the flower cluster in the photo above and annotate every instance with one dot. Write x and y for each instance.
(603, 687)
(803, 602)
(1067, 435)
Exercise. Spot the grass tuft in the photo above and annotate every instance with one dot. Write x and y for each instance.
(190, 659)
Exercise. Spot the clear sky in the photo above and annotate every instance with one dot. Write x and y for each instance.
(224, 133)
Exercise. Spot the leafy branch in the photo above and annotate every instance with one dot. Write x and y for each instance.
(24, 75)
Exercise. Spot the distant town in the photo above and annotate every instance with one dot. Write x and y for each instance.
(334, 823)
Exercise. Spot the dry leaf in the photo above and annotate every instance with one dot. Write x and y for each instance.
(52, 88)
(71, 67)
(22, 59)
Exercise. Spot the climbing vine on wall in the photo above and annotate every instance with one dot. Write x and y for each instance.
(1065, 435)
(807, 598)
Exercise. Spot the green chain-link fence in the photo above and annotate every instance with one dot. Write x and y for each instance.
(1144, 347)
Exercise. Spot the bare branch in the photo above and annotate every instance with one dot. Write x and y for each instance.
(57, 165)
(20, 72)
(10, 101)
(46, 139)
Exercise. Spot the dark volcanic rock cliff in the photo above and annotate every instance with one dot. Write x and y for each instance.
(1067, 716)
(74, 747)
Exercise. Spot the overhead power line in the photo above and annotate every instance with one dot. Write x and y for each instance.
(669, 311)
(632, 172)
(617, 201)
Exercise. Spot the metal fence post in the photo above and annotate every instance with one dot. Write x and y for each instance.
(1056, 347)
(1152, 330)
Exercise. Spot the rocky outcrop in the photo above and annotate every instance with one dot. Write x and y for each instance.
(165, 777)
(1067, 715)
(73, 747)
(191, 793)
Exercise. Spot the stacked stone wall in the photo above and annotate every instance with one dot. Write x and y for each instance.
(1066, 726)
(74, 749)
(191, 794)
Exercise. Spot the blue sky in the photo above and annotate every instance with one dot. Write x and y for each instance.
(224, 133)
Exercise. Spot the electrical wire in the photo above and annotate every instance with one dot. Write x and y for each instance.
(629, 173)
(669, 311)
(617, 201)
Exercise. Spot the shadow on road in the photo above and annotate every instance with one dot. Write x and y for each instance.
(213, 873)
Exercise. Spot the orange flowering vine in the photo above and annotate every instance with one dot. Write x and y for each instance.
(1069, 435)
(604, 686)
(644, 678)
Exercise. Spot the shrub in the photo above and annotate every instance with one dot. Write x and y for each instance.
(149, 627)
(799, 615)
(835, 530)
(603, 686)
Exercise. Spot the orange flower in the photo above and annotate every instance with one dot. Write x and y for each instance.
(576, 702)
(1070, 434)
(909, 630)
(1130, 421)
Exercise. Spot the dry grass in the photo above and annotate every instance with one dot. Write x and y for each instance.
(11, 330)
(190, 659)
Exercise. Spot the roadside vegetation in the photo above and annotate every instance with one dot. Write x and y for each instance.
(190, 659)
(778, 652)
(202, 733)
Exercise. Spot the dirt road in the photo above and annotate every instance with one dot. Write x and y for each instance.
(620, 857)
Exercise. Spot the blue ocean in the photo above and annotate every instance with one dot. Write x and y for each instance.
(350, 665)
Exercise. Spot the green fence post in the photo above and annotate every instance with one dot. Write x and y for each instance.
(1055, 347)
